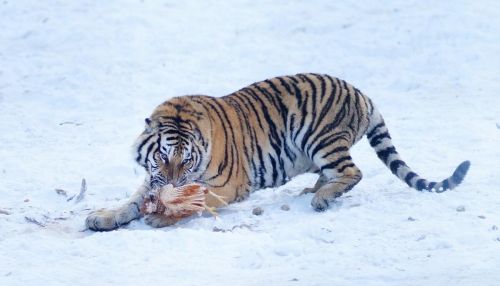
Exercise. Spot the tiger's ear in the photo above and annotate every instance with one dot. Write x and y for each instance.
(149, 128)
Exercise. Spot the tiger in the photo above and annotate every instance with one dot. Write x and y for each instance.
(261, 136)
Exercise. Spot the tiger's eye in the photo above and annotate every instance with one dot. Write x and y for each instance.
(164, 158)
(186, 161)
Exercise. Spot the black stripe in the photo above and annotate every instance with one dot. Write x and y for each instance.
(139, 156)
(336, 150)
(329, 140)
(409, 177)
(324, 110)
(282, 108)
(285, 85)
(267, 116)
(224, 163)
(341, 170)
(292, 124)
(262, 167)
(310, 128)
(249, 102)
(279, 107)
(181, 135)
(274, 99)
(421, 184)
(239, 110)
(174, 119)
(148, 151)
(385, 153)
(431, 185)
(276, 140)
(334, 86)
(323, 85)
(446, 185)
(313, 94)
(370, 103)
(288, 152)
(197, 155)
(136, 206)
(378, 139)
(358, 109)
(275, 171)
(339, 116)
(230, 172)
(374, 130)
(395, 165)
(297, 93)
(253, 145)
(293, 78)
(303, 115)
(331, 126)
(334, 164)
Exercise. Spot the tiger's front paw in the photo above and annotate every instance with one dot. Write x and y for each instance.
(319, 203)
(102, 220)
(158, 221)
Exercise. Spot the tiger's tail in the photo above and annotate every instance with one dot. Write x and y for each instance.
(380, 140)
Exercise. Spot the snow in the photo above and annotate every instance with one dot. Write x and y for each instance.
(77, 78)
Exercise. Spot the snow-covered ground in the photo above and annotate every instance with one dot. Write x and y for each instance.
(77, 78)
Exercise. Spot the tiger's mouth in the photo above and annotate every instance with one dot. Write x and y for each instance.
(158, 183)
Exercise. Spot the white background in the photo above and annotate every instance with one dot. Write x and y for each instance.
(77, 79)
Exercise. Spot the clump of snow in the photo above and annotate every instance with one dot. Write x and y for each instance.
(257, 211)
(78, 78)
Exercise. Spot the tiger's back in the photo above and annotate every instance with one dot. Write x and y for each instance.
(289, 123)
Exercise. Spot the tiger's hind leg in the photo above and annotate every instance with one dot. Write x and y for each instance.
(341, 174)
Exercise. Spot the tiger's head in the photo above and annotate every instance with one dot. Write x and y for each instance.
(174, 147)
